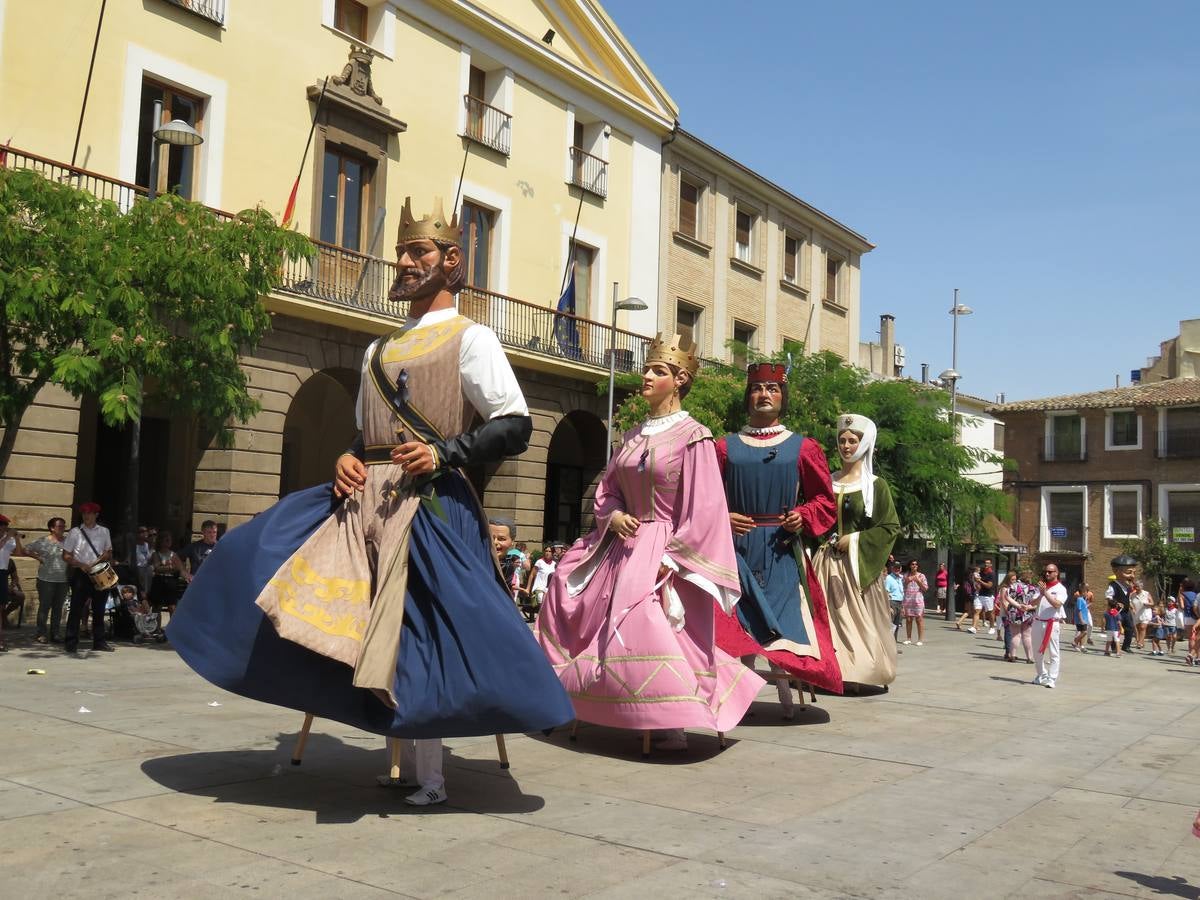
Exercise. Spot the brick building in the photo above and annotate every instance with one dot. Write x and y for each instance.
(1092, 468)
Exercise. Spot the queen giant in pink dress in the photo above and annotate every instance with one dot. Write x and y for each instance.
(634, 648)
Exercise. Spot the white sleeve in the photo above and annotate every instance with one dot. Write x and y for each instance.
(1108, 593)
(71, 542)
(488, 380)
(363, 381)
(105, 540)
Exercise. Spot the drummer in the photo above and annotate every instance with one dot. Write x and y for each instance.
(85, 548)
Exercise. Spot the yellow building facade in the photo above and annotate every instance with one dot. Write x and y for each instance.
(537, 114)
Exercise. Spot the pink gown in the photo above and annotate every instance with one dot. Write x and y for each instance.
(610, 624)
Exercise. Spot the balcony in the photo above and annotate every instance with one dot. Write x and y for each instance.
(212, 10)
(589, 172)
(1179, 443)
(488, 125)
(1054, 541)
(338, 277)
(1050, 454)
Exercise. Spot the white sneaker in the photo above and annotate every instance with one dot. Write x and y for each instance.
(991, 631)
(906, 643)
(1038, 679)
(920, 644)
(1048, 684)
(971, 629)
(427, 797)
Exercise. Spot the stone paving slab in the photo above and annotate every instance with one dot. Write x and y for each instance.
(963, 780)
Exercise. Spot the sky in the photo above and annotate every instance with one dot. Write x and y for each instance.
(1041, 157)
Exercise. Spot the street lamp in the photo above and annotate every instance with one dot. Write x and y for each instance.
(631, 304)
(952, 375)
(176, 133)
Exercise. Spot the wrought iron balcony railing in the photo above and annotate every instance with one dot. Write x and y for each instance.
(339, 277)
(589, 172)
(1179, 443)
(213, 10)
(1062, 454)
(1075, 540)
(488, 125)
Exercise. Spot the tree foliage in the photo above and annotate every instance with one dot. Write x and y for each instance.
(915, 450)
(101, 300)
(1161, 560)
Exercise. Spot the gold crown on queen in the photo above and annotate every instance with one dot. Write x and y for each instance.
(671, 352)
(433, 227)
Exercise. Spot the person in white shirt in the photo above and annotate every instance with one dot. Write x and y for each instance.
(539, 577)
(1046, 625)
(86, 544)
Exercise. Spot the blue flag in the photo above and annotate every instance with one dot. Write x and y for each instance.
(566, 331)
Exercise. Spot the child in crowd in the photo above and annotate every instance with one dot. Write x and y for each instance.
(1112, 630)
(1157, 630)
(1173, 621)
(1083, 619)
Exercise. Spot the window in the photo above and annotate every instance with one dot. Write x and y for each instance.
(344, 197)
(1066, 437)
(477, 83)
(743, 336)
(1124, 430)
(687, 322)
(585, 259)
(478, 229)
(743, 232)
(350, 17)
(1179, 506)
(689, 208)
(176, 165)
(1179, 434)
(589, 146)
(833, 268)
(1064, 520)
(1122, 511)
(791, 258)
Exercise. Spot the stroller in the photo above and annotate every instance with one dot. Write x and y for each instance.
(132, 617)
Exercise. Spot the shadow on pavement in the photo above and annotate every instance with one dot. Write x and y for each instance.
(600, 740)
(336, 781)
(1167, 887)
(765, 714)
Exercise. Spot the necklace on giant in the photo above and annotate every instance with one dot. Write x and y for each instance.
(765, 431)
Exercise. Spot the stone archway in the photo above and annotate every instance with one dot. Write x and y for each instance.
(574, 460)
(319, 426)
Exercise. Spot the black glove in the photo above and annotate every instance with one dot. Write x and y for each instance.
(489, 442)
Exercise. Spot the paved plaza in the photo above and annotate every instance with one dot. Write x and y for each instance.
(963, 781)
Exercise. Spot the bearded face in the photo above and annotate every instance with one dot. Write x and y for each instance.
(419, 272)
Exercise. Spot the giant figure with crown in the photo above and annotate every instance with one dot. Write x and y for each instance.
(376, 601)
(628, 619)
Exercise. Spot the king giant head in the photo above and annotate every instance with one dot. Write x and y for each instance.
(429, 257)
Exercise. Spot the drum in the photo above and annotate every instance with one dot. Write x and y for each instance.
(103, 576)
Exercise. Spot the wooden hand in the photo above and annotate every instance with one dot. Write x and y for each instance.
(349, 476)
(414, 457)
(792, 521)
(740, 524)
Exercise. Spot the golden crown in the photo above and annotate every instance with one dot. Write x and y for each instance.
(672, 352)
(434, 227)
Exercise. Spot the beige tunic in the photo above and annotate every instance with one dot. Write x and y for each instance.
(342, 593)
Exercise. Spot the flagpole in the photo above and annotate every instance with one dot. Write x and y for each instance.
(287, 213)
(571, 246)
(87, 88)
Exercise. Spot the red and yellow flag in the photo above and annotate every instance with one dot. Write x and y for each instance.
(290, 210)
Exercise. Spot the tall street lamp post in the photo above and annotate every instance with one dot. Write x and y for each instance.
(952, 375)
(631, 304)
(176, 133)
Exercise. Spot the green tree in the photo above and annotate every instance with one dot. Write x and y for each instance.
(1161, 560)
(915, 450)
(104, 301)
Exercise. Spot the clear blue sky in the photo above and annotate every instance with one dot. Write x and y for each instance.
(1042, 157)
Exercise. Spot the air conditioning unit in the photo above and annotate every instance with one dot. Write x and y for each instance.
(899, 356)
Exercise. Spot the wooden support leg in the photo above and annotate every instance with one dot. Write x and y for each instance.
(811, 691)
(573, 736)
(645, 745)
(395, 751)
(501, 751)
(301, 740)
(721, 739)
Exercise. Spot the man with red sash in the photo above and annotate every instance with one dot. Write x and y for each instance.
(1050, 613)
(779, 493)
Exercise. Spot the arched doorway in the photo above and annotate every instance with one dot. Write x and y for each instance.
(318, 428)
(574, 459)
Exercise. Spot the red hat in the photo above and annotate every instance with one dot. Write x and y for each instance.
(89, 507)
(4, 520)
(766, 372)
